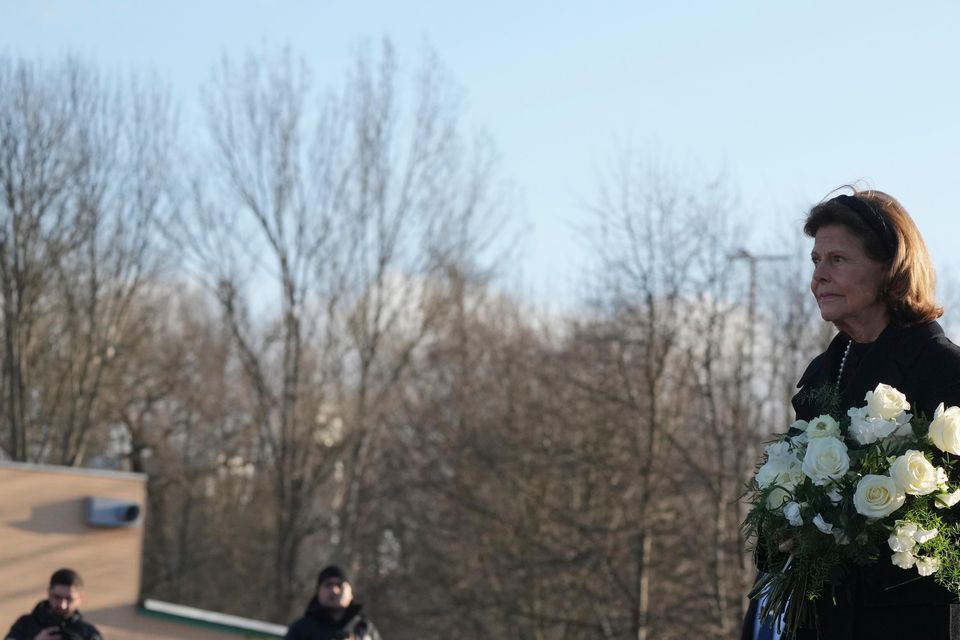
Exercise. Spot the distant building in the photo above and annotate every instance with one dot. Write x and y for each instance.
(91, 521)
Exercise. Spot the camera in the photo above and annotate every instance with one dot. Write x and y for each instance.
(357, 631)
(67, 633)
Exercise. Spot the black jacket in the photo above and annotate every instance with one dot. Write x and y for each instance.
(875, 603)
(918, 360)
(73, 628)
(317, 624)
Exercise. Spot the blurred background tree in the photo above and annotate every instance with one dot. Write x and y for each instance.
(294, 326)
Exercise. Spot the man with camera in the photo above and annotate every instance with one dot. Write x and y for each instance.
(58, 617)
(331, 613)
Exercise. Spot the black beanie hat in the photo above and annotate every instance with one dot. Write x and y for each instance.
(331, 571)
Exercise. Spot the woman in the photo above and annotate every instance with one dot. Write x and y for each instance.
(873, 279)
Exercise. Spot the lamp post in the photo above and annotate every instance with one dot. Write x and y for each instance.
(745, 447)
(752, 259)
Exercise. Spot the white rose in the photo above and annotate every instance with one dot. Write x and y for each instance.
(946, 500)
(800, 440)
(903, 559)
(924, 535)
(945, 429)
(799, 425)
(780, 471)
(823, 426)
(903, 537)
(867, 430)
(791, 511)
(778, 497)
(885, 402)
(767, 473)
(903, 428)
(942, 479)
(877, 496)
(822, 524)
(782, 467)
(914, 473)
(857, 414)
(927, 566)
(826, 460)
(778, 449)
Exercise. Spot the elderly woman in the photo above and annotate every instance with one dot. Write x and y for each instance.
(873, 279)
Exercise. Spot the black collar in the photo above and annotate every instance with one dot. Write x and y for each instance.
(901, 344)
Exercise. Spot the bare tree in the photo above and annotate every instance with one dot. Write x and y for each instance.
(344, 383)
(649, 257)
(344, 210)
(83, 166)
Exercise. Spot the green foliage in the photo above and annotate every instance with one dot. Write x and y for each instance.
(824, 399)
(924, 513)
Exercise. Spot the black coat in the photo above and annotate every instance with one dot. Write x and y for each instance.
(73, 628)
(919, 361)
(317, 624)
(875, 603)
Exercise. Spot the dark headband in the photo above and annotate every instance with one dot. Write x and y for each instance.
(874, 220)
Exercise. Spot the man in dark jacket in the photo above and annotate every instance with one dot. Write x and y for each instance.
(58, 617)
(331, 613)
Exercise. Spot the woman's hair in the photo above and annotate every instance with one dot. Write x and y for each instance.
(888, 235)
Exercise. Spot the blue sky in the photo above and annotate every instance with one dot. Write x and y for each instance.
(788, 99)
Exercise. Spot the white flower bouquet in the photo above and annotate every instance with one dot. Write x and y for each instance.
(875, 486)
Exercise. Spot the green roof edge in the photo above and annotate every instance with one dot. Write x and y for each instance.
(250, 634)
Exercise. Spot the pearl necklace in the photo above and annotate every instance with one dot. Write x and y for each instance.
(843, 363)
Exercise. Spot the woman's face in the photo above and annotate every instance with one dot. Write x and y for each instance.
(846, 284)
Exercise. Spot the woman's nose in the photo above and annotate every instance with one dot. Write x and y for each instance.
(820, 272)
